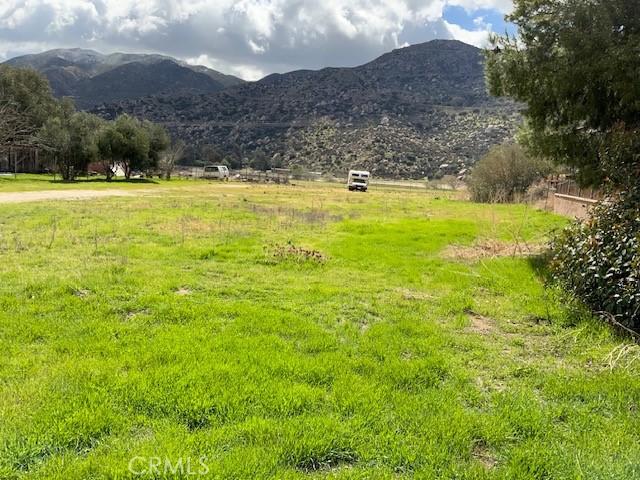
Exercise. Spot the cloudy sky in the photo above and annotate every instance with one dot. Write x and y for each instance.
(248, 38)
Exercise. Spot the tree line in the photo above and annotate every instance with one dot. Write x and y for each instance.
(30, 117)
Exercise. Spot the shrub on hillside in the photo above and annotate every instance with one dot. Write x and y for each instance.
(599, 260)
(505, 173)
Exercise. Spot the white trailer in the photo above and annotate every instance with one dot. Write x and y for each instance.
(358, 180)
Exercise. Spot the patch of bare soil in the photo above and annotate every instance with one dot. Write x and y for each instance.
(486, 248)
(20, 197)
(484, 456)
(416, 295)
(480, 324)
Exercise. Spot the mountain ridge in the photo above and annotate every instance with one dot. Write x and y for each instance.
(417, 111)
(87, 75)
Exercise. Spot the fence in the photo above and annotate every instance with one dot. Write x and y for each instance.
(571, 200)
(23, 160)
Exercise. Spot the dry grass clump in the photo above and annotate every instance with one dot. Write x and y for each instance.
(296, 254)
(490, 248)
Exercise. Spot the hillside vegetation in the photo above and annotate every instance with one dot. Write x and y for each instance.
(429, 98)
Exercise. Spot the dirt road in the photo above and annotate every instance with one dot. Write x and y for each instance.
(20, 197)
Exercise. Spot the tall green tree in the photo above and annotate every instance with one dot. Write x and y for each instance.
(125, 142)
(575, 65)
(25, 104)
(159, 141)
(260, 161)
(134, 150)
(71, 137)
(131, 144)
(109, 144)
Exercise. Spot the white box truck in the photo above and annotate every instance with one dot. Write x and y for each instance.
(358, 180)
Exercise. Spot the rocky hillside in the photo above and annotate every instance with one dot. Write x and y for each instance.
(92, 78)
(418, 111)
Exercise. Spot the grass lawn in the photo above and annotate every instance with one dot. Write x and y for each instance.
(256, 331)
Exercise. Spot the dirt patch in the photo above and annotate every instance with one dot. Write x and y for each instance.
(183, 291)
(364, 326)
(131, 314)
(480, 324)
(482, 249)
(81, 292)
(20, 197)
(415, 295)
(482, 454)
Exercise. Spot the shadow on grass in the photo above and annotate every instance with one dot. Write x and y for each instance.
(541, 265)
(45, 178)
(134, 181)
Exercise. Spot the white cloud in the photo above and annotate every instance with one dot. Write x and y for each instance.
(479, 38)
(247, 37)
(248, 72)
(503, 6)
(255, 48)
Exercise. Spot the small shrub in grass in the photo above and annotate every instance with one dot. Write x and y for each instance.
(295, 254)
(599, 260)
(505, 173)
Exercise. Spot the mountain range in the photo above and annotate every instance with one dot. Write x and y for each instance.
(417, 111)
(91, 78)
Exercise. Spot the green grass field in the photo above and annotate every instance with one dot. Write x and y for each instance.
(254, 331)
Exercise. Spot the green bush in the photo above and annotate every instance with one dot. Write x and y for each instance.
(599, 260)
(505, 173)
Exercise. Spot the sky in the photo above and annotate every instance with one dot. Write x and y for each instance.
(246, 38)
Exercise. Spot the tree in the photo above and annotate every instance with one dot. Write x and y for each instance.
(233, 161)
(260, 161)
(132, 144)
(575, 65)
(504, 173)
(170, 158)
(72, 138)
(126, 142)
(109, 143)
(159, 141)
(28, 93)
(210, 155)
(25, 104)
(15, 129)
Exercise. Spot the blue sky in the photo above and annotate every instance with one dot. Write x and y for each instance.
(470, 20)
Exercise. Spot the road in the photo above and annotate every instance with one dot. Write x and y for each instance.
(20, 197)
